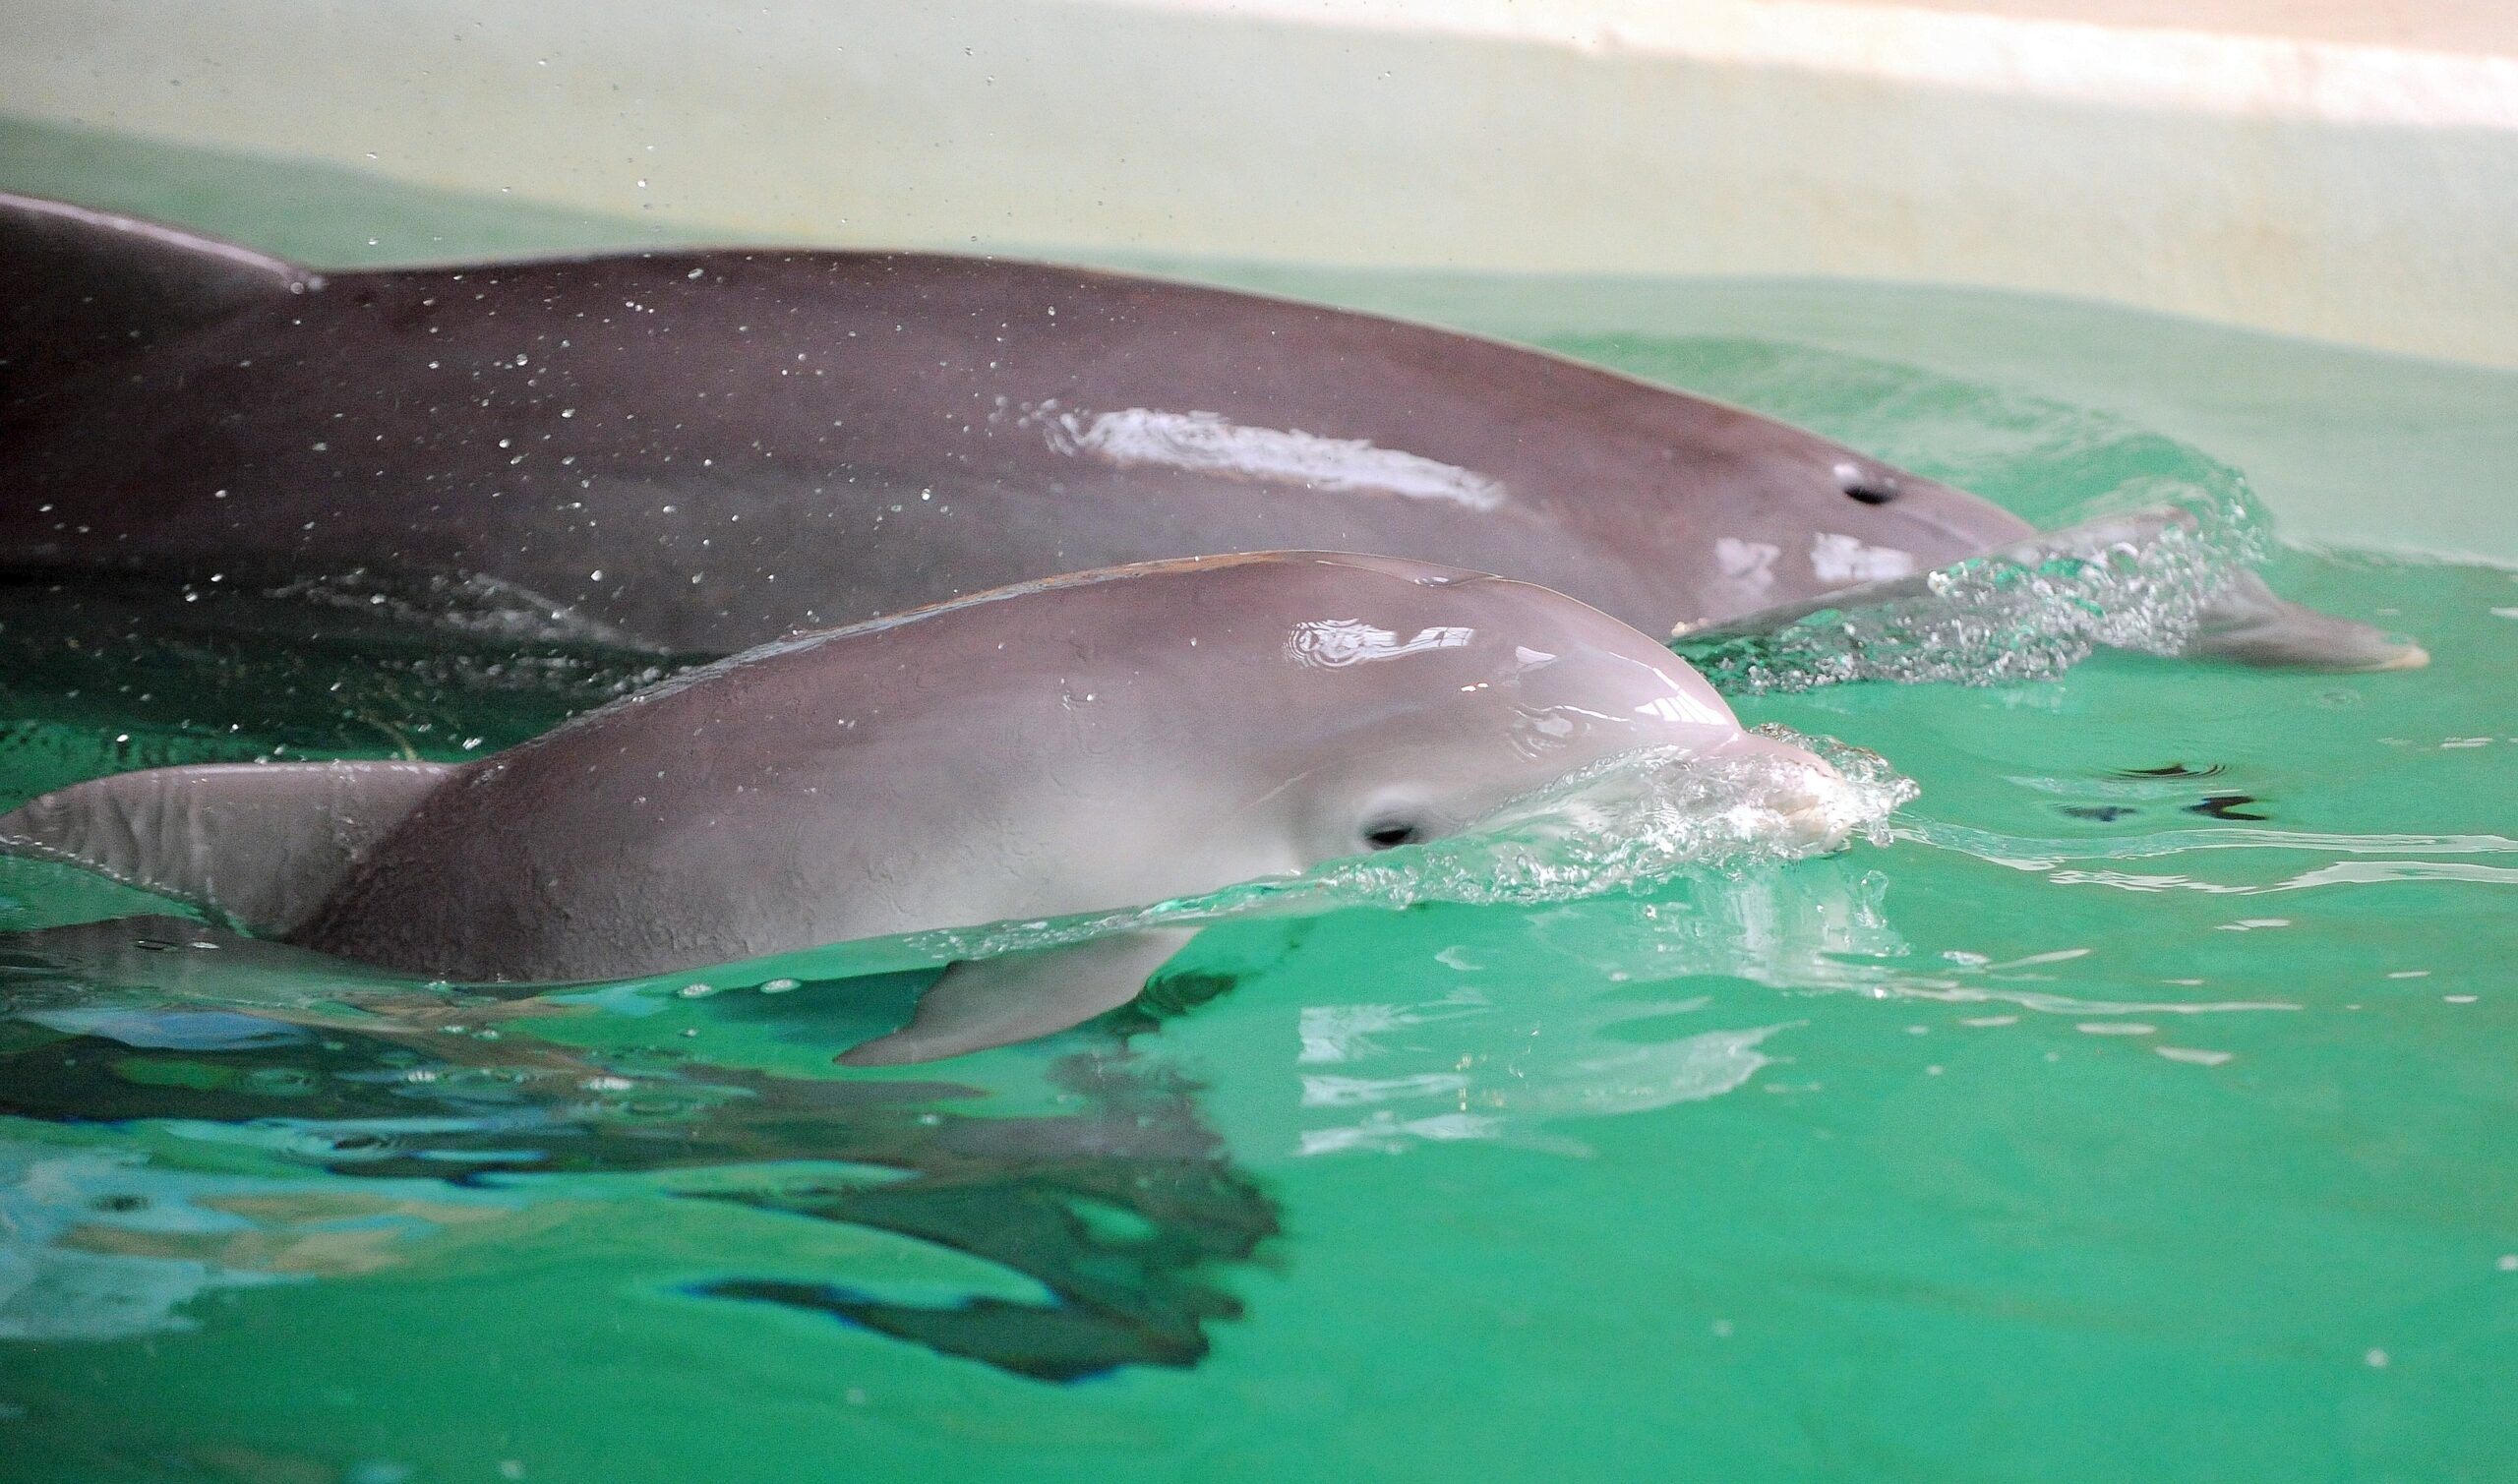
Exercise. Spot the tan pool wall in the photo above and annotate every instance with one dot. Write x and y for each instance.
(2348, 173)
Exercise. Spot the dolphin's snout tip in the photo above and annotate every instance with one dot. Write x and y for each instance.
(2246, 624)
(1815, 820)
(1806, 795)
(2335, 646)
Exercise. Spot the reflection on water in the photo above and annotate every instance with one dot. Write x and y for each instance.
(385, 1120)
(1114, 1212)
(1502, 1098)
(1619, 1007)
(1509, 1058)
(100, 1245)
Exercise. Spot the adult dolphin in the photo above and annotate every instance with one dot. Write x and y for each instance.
(706, 449)
(1092, 742)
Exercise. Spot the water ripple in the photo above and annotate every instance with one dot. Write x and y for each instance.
(2339, 873)
(2027, 852)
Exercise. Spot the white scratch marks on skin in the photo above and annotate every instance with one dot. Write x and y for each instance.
(1751, 561)
(1842, 559)
(1336, 642)
(1747, 572)
(1204, 443)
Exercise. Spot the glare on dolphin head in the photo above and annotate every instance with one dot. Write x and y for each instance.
(1687, 710)
(1336, 642)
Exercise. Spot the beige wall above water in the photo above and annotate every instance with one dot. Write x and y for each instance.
(2341, 171)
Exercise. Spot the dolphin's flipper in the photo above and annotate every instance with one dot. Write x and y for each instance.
(262, 845)
(2249, 624)
(982, 1003)
(78, 287)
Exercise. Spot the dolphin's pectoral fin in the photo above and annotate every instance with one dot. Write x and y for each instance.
(1014, 997)
(2247, 624)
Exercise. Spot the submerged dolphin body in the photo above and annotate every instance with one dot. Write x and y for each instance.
(706, 449)
(1092, 742)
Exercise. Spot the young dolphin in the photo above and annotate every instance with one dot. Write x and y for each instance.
(707, 449)
(1095, 742)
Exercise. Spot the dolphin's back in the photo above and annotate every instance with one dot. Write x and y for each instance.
(79, 288)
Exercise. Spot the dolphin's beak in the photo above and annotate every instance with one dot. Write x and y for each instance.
(2248, 624)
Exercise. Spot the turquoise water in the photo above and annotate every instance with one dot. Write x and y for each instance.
(2140, 1109)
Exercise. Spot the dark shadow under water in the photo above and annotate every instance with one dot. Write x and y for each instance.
(1123, 1207)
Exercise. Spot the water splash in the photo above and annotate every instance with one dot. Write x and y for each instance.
(2141, 581)
(1631, 822)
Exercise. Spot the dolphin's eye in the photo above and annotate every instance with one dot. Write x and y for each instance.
(1390, 833)
(1876, 489)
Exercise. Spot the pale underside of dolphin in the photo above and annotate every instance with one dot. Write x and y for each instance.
(706, 449)
(1089, 743)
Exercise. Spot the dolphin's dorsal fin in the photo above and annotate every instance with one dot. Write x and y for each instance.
(79, 286)
(262, 845)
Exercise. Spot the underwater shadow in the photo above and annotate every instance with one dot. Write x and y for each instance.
(1123, 1208)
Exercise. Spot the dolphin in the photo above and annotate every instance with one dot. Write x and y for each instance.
(1095, 742)
(703, 450)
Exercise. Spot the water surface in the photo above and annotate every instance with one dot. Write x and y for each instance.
(2142, 1110)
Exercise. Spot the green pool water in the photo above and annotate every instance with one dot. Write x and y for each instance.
(2144, 1110)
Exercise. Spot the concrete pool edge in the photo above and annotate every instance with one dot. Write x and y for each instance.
(2345, 191)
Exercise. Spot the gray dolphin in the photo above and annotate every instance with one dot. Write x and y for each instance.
(707, 449)
(1097, 741)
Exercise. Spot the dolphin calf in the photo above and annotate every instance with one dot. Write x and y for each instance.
(706, 449)
(1095, 742)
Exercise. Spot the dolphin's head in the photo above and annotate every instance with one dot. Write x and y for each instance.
(1160, 731)
(1794, 515)
(1424, 697)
